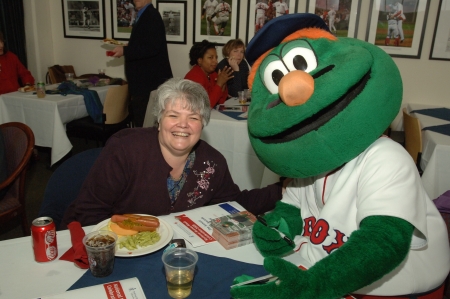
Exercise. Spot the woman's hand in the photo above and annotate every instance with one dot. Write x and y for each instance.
(233, 63)
(224, 75)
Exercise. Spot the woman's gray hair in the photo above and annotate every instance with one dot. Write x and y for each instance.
(192, 94)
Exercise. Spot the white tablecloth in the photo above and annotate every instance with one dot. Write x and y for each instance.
(46, 116)
(23, 278)
(230, 137)
(435, 161)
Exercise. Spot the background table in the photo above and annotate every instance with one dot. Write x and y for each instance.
(23, 278)
(230, 137)
(435, 161)
(46, 116)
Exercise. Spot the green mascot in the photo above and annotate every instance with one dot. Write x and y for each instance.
(360, 219)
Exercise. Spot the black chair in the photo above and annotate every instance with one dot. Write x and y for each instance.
(65, 183)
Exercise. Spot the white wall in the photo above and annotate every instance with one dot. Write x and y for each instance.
(424, 80)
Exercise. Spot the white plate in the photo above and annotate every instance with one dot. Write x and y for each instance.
(164, 230)
(112, 46)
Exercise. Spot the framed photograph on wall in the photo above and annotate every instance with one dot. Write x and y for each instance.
(341, 16)
(440, 48)
(123, 14)
(84, 19)
(173, 14)
(398, 26)
(262, 11)
(216, 20)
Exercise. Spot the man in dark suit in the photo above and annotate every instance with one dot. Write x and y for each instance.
(146, 58)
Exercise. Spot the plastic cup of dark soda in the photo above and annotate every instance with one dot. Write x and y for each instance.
(101, 249)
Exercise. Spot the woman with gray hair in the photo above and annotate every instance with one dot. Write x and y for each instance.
(164, 169)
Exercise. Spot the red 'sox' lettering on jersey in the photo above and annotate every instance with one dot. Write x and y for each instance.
(335, 245)
(319, 232)
(308, 226)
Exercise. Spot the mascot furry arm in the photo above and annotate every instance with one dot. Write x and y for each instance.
(319, 106)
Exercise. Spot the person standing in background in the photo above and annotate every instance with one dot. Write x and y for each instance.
(331, 19)
(128, 6)
(281, 8)
(207, 12)
(260, 18)
(400, 17)
(147, 62)
(12, 71)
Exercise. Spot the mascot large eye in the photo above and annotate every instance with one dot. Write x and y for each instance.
(273, 73)
(302, 59)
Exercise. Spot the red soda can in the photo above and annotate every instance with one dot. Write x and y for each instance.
(43, 233)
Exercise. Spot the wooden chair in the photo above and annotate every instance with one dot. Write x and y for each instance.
(115, 118)
(150, 120)
(413, 138)
(56, 73)
(19, 144)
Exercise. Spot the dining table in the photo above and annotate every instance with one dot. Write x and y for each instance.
(227, 132)
(24, 278)
(47, 116)
(435, 160)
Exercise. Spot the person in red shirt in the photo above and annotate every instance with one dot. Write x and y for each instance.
(12, 70)
(203, 58)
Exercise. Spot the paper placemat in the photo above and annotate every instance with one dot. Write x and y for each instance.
(213, 275)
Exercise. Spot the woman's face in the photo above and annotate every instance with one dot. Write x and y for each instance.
(179, 129)
(237, 54)
(208, 62)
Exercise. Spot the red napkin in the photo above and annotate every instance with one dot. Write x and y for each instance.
(77, 253)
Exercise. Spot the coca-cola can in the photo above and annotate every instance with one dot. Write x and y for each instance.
(43, 233)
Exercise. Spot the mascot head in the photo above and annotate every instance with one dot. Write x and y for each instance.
(317, 101)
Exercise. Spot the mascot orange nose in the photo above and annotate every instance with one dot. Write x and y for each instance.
(296, 88)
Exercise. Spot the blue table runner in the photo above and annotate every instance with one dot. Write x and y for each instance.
(442, 129)
(234, 114)
(441, 113)
(213, 275)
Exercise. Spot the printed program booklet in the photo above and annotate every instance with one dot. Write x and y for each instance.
(125, 289)
(234, 230)
(195, 225)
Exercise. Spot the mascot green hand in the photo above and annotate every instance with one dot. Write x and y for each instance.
(357, 211)
(284, 218)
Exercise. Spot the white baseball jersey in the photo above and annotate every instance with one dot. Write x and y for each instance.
(331, 14)
(209, 7)
(383, 180)
(398, 7)
(280, 8)
(261, 8)
(223, 10)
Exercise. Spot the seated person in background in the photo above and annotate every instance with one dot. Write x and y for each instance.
(169, 169)
(11, 70)
(233, 53)
(203, 58)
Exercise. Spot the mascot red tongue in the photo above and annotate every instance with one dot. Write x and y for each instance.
(361, 220)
